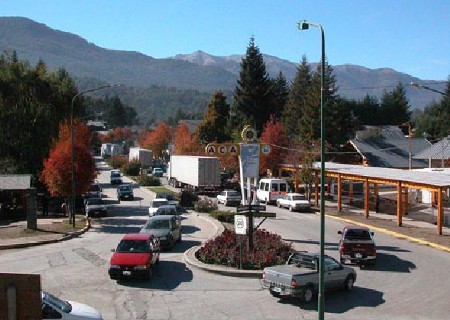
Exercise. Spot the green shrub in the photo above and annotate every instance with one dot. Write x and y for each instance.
(223, 216)
(205, 205)
(188, 198)
(132, 169)
(148, 181)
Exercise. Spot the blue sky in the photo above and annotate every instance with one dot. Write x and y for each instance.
(410, 36)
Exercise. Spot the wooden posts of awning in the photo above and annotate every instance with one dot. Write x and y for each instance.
(316, 183)
(366, 197)
(350, 192)
(339, 185)
(399, 204)
(405, 200)
(440, 213)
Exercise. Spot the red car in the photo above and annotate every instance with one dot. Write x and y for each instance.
(357, 245)
(134, 257)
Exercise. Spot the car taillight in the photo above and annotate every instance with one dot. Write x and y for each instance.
(293, 283)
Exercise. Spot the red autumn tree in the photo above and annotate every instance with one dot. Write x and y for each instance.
(184, 143)
(157, 140)
(273, 134)
(57, 172)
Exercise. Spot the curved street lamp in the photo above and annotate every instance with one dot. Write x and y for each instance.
(72, 142)
(304, 25)
(417, 85)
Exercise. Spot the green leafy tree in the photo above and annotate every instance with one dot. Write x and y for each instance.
(253, 96)
(213, 127)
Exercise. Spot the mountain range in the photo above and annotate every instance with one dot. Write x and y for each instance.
(199, 71)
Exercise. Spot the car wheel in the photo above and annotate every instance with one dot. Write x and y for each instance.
(308, 294)
(349, 282)
(275, 294)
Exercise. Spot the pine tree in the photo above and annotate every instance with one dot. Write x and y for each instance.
(297, 98)
(280, 91)
(213, 127)
(253, 98)
(394, 107)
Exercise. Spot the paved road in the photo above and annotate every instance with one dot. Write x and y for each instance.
(405, 285)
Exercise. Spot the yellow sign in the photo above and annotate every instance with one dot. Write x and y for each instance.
(232, 149)
(248, 134)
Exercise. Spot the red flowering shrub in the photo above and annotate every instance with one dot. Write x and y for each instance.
(268, 250)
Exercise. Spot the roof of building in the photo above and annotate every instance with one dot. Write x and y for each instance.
(15, 181)
(439, 150)
(387, 147)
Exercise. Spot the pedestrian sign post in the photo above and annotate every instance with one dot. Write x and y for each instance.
(240, 224)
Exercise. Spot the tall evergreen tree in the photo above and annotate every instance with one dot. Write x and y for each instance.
(280, 91)
(213, 127)
(394, 107)
(297, 98)
(253, 98)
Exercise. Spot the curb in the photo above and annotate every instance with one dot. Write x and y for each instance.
(41, 242)
(189, 256)
(392, 233)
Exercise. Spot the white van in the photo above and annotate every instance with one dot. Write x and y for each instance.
(269, 190)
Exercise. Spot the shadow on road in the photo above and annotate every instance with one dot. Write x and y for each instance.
(339, 302)
(168, 275)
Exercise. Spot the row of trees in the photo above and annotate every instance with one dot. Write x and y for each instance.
(35, 111)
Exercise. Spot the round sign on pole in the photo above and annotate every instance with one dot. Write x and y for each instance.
(240, 224)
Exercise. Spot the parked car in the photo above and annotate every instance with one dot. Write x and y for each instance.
(125, 191)
(135, 256)
(155, 204)
(166, 228)
(95, 190)
(294, 202)
(229, 198)
(95, 206)
(115, 176)
(299, 277)
(157, 172)
(56, 308)
(357, 245)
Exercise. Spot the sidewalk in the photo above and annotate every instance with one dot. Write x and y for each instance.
(44, 234)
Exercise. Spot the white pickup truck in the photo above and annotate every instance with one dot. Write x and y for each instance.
(299, 277)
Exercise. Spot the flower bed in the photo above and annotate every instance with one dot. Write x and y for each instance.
(268, 250)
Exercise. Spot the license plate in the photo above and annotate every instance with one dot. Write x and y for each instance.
(126, 273)
(358, 255)
(276, 289)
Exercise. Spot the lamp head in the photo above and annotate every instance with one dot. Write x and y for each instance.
(304, 25)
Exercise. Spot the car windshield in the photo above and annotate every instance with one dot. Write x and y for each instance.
(156, 204)
(157, 224)
(357, 234)
(298, 198)
(94, 201)
(302, 261)
(56, 302)
(115, 174)
(233, 194)
(125, 188)
(166, 211)
(94, 187)
(133, 246)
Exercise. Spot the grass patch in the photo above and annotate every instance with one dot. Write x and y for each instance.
(160, 189)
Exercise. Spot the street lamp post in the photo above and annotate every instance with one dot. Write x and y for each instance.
(72, 142)
(304, 25)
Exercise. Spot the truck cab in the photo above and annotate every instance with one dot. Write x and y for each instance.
(357, 245)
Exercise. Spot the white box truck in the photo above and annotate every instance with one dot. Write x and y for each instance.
(197, 173)
(143, 156)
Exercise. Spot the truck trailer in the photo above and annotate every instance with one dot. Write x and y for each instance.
(196, 173)
(143, 156)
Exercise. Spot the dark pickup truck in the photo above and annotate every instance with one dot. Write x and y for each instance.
(357, 245)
